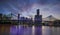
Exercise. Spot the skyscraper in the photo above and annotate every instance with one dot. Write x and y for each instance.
(0, 16)
(38, 18)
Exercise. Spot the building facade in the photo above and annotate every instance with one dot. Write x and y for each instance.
(0, 16)
(38, 18)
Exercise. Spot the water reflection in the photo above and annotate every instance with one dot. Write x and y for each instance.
(28, 30)
(46, 30)
(25, 30)
(33, 30)
(4, 29)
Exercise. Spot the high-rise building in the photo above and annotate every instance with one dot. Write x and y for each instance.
(38, 18)
(0, 16)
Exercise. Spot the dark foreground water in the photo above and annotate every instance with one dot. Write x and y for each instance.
(28, 30)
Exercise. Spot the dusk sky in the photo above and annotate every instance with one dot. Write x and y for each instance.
(28, 8)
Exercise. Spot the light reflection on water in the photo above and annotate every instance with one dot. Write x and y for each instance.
(33, 30)
(28, 30)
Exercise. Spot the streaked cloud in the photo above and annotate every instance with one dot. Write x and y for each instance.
(47, 7)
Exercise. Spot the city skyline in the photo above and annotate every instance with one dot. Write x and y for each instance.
(28, 7)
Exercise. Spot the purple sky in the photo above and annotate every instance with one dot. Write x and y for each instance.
(28, 8)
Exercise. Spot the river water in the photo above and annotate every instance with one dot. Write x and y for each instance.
(28, 30)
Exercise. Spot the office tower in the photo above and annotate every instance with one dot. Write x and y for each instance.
(38, 18)
(0, 16)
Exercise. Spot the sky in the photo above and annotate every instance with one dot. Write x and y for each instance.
(27, 8)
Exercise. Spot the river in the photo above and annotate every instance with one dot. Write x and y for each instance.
(28, 30)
